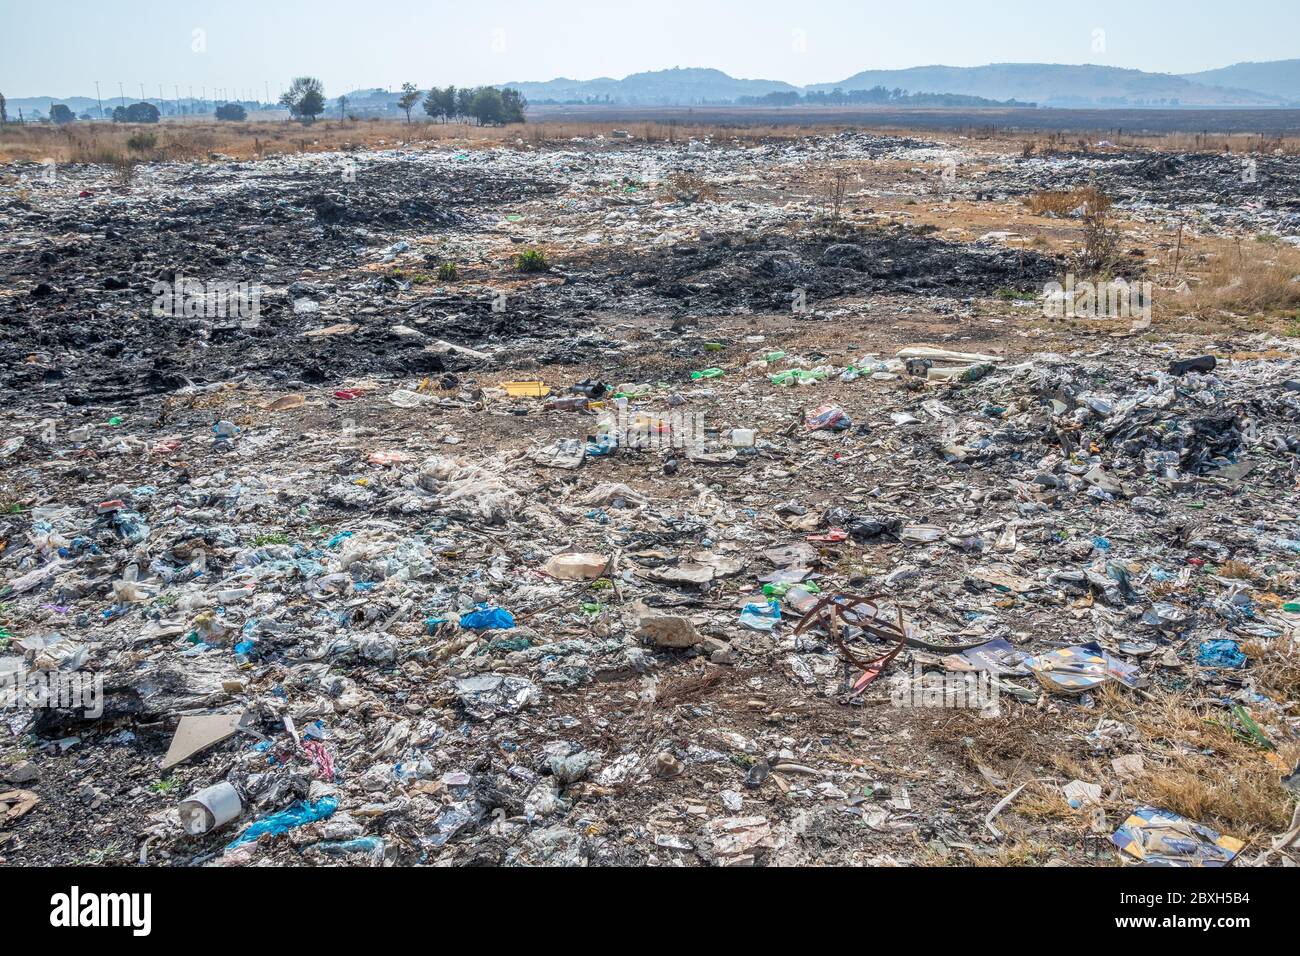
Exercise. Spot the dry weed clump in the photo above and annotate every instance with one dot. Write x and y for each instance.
(1063, 203)
(1249, 277)
(1197, 766)
(1245, 800)
(1275, 665)
(690, 187)
(1197, 761)
(1014, 741)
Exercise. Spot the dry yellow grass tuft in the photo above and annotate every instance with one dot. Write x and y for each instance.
(1196, 765)
(1245, 800)
(1063, 203)
(1275, 665)
(1252, 277)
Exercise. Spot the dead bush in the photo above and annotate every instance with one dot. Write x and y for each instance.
(690, 187)
(1100, 253)
(1063, 203)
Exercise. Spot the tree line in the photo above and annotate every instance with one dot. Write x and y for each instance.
(486, 105)
(877, 95)
(305, 101)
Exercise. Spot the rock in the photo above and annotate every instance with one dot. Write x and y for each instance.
(24, 771)
(572, 768)
(577, 567)
(1098, 478)
(667, 766)
(669, 630)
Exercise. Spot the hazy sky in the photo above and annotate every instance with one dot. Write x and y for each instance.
(60, 47)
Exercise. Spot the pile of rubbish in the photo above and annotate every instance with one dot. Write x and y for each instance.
(399, 578)
(417, 655)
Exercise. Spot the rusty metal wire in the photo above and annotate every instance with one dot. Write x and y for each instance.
(835, 613)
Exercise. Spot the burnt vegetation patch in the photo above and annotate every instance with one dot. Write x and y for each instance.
(763, 272)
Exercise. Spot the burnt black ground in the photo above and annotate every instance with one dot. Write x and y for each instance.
(1192, 180)
(87, 286)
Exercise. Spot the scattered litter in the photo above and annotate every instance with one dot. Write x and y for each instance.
(1160, 838)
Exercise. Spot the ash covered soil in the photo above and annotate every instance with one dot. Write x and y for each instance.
(323, 516)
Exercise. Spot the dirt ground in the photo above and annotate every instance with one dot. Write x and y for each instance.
(328, 488)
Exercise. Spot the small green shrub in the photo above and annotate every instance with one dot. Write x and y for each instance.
(531, 260)
(142, 142)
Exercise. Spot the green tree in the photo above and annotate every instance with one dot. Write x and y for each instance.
(60, 114)
(433, 103)
(513, 105)
(136, 113)
(441, 104)
(305, 99)
(4, 113)
(410, 96)
(464, 98)
(486, 106)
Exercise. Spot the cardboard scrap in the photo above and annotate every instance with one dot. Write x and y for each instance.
(16, 803)
(197, 733)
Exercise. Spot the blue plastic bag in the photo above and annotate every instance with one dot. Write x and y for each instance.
(486, 617)
(761, 617)
(300, 814)
(1221, 654)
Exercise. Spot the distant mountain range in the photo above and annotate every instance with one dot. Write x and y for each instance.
(657, 88)
(1067, 86)
(1278, 78)
(1243, 85)
(1255, 85)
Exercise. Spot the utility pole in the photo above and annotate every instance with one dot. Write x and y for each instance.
(121, 92)
(98, 100)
